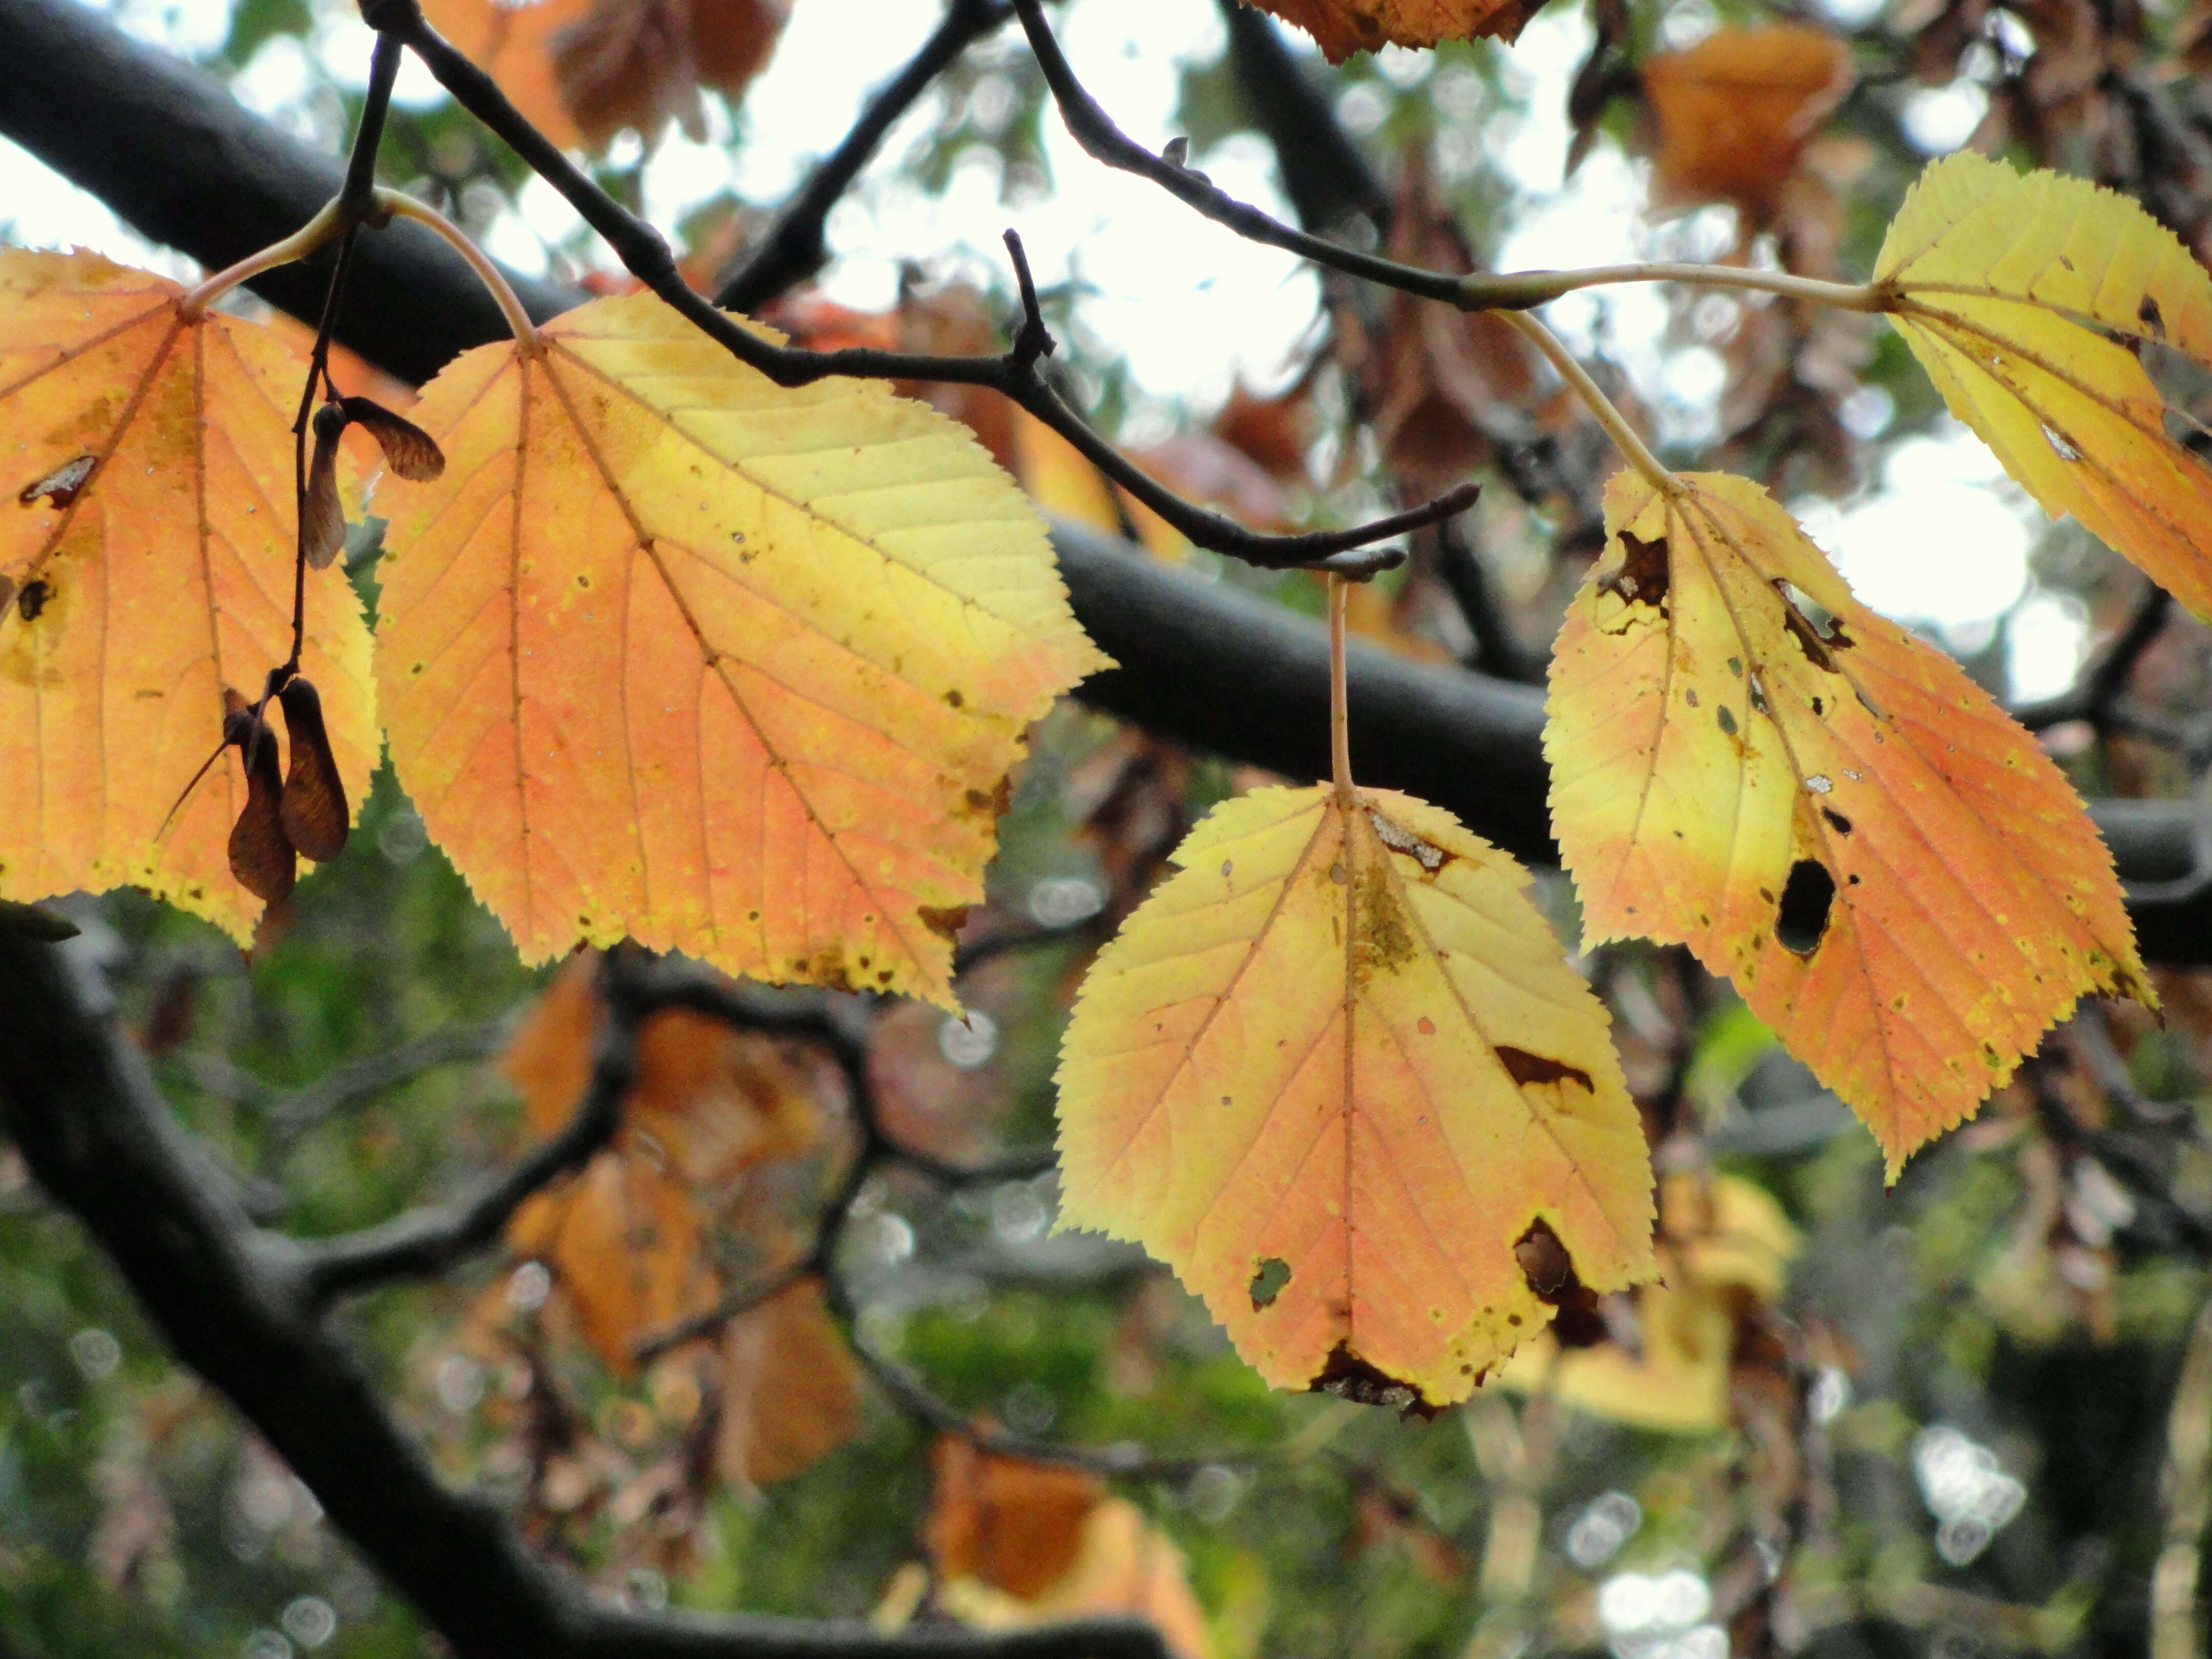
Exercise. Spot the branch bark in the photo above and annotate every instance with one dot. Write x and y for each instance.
(231, 1300)
(1203, 663)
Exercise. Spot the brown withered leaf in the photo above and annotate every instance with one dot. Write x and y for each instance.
(1011, 1523)
(1448, 388)
(790, 1389)
(582, 71)
(1275, 432)
(625, 1241)
(1341, 28)
(1735, 111)
(710, 1103)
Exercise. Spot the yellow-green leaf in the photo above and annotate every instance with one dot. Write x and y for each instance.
(2030, 300)
(1747, 760)
(674, 652)
(1334, 1072)
(146, 560)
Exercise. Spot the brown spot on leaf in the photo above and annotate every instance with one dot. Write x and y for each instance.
(1524, 1067)
(946, 923)
(2151, 318)
(1837, 821)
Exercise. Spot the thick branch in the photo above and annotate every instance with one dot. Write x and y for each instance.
(1201, 662)
(82, 1108)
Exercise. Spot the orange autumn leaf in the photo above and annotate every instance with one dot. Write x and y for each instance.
(1016, 1543)
(714, 1102)
(514, 45)
(672, 653)
(627, 1239)
(1334, 1072)
(581, 70)
(1722, 1241)
(1341, 28)
(1009, 1522)
(145, 567)
(1736, 109)
(625, 1243)
(1747, 760)
(790, 1388)
(2031, 300)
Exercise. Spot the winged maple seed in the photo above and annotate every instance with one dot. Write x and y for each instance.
(2033, 302)
(261, 854)
(1335, 1073)
(148, 563)
(1745, 759)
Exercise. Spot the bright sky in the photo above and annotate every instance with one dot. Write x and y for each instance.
(1942, 540)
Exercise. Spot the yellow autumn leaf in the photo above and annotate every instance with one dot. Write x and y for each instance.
(674, 653)
(146, 564)
(2029, 299)
(1721, 1239)
(1332, 1071)
(1747, 760)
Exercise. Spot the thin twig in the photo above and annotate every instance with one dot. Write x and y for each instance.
(794, 248)
(1095, 131)
(647, 255)
(424, 1243)
(2095, 696)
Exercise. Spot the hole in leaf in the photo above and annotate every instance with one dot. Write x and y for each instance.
(1268, 1280)
(1801, 922)
(60, 486)
(1642, 578)
(2061, 445)
(1545, 1263)
(1348, 1376)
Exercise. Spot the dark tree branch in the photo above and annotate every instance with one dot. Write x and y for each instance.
(792, 248)
(1201, 662)
(422, 1243)
(170, 150)
(82, 1110)
(1104, 142)
(2097, 694)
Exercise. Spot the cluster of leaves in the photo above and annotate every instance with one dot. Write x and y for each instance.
(671, 654)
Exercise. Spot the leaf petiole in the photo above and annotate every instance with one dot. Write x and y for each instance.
(1623, 436)
(518, 319)
(329, 223)
(1340, 723)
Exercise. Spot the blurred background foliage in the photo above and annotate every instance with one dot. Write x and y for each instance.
(1967, 1415)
